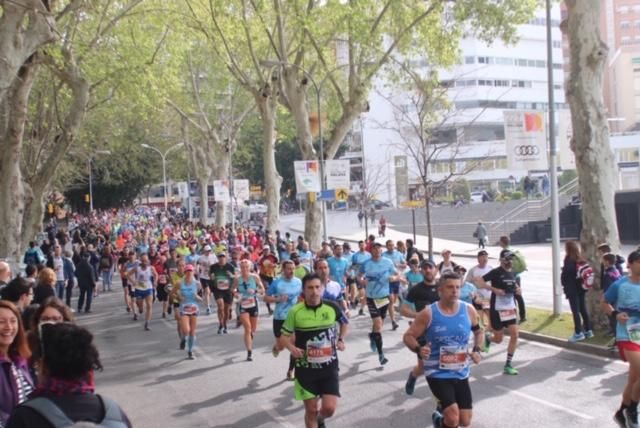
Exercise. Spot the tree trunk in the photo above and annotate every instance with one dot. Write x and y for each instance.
(12, 190)
(33, 214)
(590, 142)
(222, 173)
(272, 180)
(203, 184)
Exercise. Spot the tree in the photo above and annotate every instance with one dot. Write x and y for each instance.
(590, 141)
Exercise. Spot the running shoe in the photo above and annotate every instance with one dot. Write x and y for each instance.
(208, 310)
(394, 325)
(436, 418)
(224, 330)
(382, 359)
(631, 415)
(190, 356)
(487, 342)
(249, 357)
(146, 326)
(510, 370)
(577, 337)
(220, 330)
(135, 316)
(275, 352)
(619, 419)
(588, 334)
(183, 343)
(410, 386)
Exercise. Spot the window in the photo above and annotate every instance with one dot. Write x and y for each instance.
(504, 83)
(504, 61)
(531, 63)
(623, 9)
(556, 44)
(541, 64)
(625, 25)
(469, 60)
(628, 155)
(557, 66)
(485, 60)
(501, 163)
(522, 62)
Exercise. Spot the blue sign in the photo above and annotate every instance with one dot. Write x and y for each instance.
(327, 195)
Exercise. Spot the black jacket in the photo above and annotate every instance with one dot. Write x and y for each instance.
(569, 278)
(84, 273)
(42, 292)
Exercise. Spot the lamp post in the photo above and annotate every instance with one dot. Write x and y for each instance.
(90, 160)
(164, 167)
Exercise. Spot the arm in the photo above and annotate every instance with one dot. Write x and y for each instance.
(261, 289)
(344, 328)
(417, 328)
(478, 334)
(609, 299)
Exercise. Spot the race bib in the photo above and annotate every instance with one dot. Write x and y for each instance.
(141, 286)
(453, 358)
(486, 303)
(507, 315)
(633, 330)
(190, 309)
(248, 303)
(223, 284)
(379, 303)
(505, 303)
(319, 352)
(162, 279)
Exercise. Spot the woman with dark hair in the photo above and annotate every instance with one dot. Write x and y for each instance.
(15, 381)
(52, 311)
(575, 293)
(66, 391)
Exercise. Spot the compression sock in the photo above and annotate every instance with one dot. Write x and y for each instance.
(509, 358)
(190, 340)
(377, 338)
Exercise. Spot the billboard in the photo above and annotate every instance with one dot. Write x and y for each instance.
(307, 176)
(526, 140)
(221, 190)
(402, 179)
(241, 190)
(338, 174)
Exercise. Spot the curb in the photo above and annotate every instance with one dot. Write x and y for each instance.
(586, 348)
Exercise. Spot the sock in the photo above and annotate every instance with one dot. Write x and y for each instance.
(249, 353)
(292, 363)
(633, 406)
(623, 406)
(190, 342)
(377, 338)
(180, 335)
(509, 358)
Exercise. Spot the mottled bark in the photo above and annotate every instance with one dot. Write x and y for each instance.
(590, 143)
(272, 180)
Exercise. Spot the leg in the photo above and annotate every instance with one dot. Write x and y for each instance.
(575, 311)
(246, 325)
(328, 406)
(513, 338)
(147, 307)
(221, 313)
(68, 292)
(451, 415)
(87, 308)
(83, 292)
(586, 321)
(311, 413)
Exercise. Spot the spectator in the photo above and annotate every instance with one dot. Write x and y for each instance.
(86, 283)
(69, 276)
(33, 256)
(481, 235)
(411, 250)
(66, 367)
(31, 274)
(52, 311)
(45, 286)
(575, 293)
(18, 292)
(5, 274)
(15, 381)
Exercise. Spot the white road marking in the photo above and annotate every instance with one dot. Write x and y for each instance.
(282, 422)
(545, 403)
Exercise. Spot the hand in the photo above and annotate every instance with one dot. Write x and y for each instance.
(622, 317)
(283, 298)
(475, 357)
(425, 351)
(340, 345)
(518, 291)
(296, 352)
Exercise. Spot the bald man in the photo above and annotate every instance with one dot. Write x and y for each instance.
(5, 274)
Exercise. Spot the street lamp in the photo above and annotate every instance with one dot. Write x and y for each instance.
(318, 89)
(164, 167)
(90, 160)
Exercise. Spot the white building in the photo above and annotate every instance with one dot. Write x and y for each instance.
(490, 79)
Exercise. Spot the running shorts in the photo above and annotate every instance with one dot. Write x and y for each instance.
(451, 391)
(224, 295)
(161, 293)
(309, 385)
(277, 327)
(206, 283)
(377, 311)
(142, 294)
(496, 324)
(253, 312)
(626, 345)
(394, 288)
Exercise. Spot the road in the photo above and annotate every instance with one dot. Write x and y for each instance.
(147, 374)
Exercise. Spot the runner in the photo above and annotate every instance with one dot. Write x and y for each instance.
(187, 293)
(622, 301)
(222, 274)
(204, 265)
(284, 292)
(338, 266)
(300, 270)
(310, 334)
(171, 267)
(440, 336)
(267, 264)
(176, 279)
(375, 275)
(502, 309)
(143, 277)
(357, 260)
(484, 294)
(394, 286)
(246, 287)
(332, 289)
(419, 297)
(123, 261)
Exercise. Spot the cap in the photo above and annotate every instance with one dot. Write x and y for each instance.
(266, 247)
(188, 268)
(506, 254)
(427, 262)
(221, 254)
(482, 253)
(207, 248)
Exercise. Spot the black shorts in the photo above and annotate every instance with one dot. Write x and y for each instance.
(394, 288)
(206, 283)
(224, 295)
(376, 312)
(350, 281)
(496, 323)
(316, 383)
(277, 327)
(253, 312)
(451, 391)
(125, 282)
(161, 293)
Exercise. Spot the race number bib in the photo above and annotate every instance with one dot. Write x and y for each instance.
(507, 315)
(319, 352)
(141, 286)
(162, 279)
(248, 303)
(379, 303)
(223, 284)
(190, 309)
(453, 358)
(633, 330)
(486, 303)
(505, 303)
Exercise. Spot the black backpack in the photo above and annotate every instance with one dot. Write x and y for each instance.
(113, 417)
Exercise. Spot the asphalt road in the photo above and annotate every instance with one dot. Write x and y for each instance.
(147, 374)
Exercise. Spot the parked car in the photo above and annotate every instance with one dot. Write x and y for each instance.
(476, 197)
(378, 204)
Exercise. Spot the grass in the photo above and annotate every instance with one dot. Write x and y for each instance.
(543, 321)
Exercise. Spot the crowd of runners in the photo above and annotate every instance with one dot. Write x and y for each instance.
(179, 269)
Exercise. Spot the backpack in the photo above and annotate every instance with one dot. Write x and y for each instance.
(518, 262)
(31, 258)
(585, 275)
(113, 417)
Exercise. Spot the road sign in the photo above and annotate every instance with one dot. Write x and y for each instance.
(342, 195)
(327, 195)
(413, 204)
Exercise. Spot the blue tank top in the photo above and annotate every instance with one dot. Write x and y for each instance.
(189, 293)
(449, 338)
(248, 291)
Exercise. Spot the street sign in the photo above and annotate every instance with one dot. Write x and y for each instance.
(413, 204)
(342, 195)
(327, 195)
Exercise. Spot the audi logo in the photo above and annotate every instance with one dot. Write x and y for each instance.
(526, 150)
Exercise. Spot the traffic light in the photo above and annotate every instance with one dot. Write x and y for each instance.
(50, 208)
(87, 198)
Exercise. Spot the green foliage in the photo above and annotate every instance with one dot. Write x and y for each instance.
(567, 176)
(516, 196)
(460, 189)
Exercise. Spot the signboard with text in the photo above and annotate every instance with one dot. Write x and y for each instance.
(307, 174)
(526, 140)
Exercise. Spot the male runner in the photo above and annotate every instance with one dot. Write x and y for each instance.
(502, 309)
(375, 275)
(332, 290)
(284, 291)
(143, 277)
(394, 286)
(310, 334)
(338, 266)
(440, 336)
(222, 274)
(478, 271)
(357, 260)
(204, 265)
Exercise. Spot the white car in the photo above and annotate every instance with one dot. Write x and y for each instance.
(476, 197)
